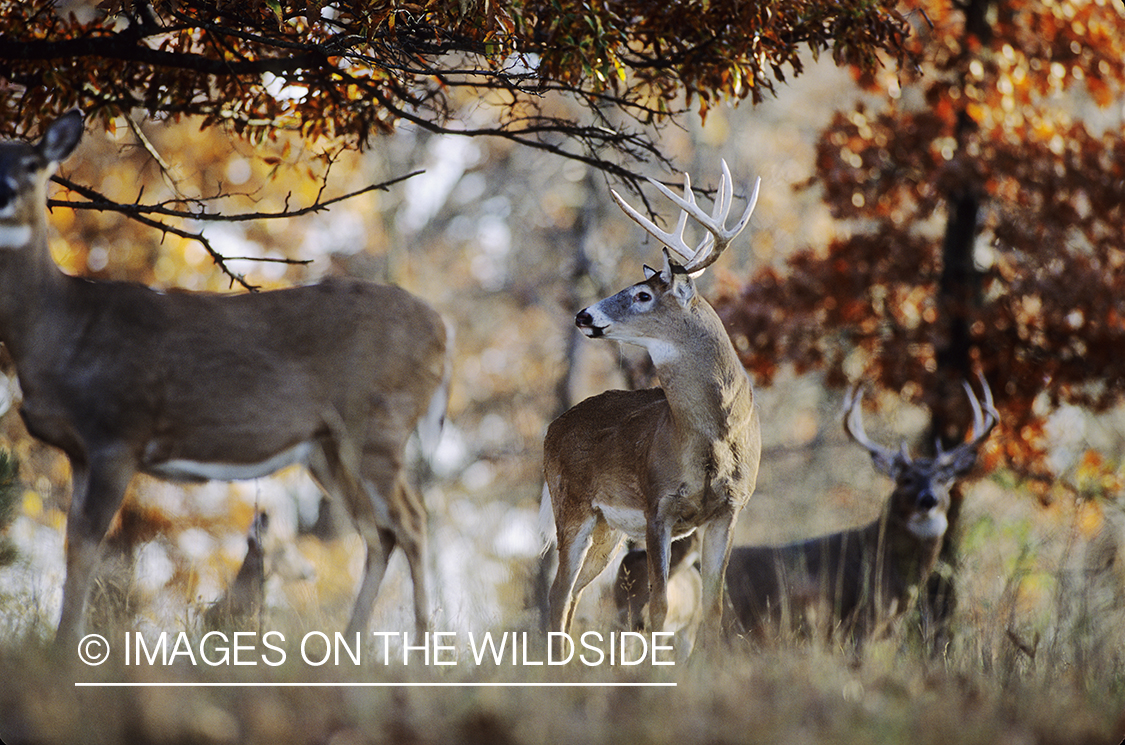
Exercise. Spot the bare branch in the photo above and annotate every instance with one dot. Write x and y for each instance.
(141, 214)
(101, 203)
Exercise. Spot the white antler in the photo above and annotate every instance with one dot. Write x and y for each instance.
(718, 235)
(884, 457)
(984, 419)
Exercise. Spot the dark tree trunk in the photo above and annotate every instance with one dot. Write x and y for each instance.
(959, 295)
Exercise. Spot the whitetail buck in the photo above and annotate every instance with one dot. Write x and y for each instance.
(657, 464)
(851, 584)
(195, 386)
(855, 583)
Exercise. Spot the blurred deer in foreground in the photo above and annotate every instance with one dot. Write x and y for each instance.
(857, 582)
(240, 606)
(657, 464)
(197, 386)
(630, 592)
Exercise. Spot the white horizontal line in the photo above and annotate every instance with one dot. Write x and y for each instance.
(375, 685)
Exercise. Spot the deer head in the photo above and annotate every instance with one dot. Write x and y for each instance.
(921, 495)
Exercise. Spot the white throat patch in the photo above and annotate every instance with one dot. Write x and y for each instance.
(15, 236)
(928, 525)
(661, 351)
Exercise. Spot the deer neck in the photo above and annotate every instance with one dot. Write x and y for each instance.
(32, 289)
(910, 556)
(706, 386)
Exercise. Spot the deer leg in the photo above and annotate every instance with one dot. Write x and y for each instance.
(96, 495)
(604, 544)
(573, 545)
(335, 467)
(378, 544)
(410, 532)
(713, 558)
(658, 542)
(399, 513)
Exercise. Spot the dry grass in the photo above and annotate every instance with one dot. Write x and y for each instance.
(791, 696)
(1038, 657)
(807, 693)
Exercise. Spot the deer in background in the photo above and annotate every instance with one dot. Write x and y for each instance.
(850, 584)
(630, 592)
(198, 386)
(856, 583)
(240, 606)
(657, 464)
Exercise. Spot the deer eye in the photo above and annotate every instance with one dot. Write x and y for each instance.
(643, 296)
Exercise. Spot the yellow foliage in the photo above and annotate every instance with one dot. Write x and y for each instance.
(1089, 519)
(56, 519)
(32, 503)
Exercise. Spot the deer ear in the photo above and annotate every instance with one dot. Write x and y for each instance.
(890, 463)
(649, 271)
(960, 460)
(683, 288)
(61, 137)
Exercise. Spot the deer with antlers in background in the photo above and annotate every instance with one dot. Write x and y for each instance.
(847, 585)
(199, 386)
(657, 464)
(855, 583)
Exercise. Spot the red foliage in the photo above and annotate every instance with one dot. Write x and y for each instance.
(1030, 288)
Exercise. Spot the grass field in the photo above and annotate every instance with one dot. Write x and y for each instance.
(1038, 656)
(983, 690)
(783, 696)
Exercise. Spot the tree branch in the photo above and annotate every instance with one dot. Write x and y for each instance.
(141, 213)
(111, 47)
(101, 203)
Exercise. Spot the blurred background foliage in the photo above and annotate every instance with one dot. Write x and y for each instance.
(942, 202)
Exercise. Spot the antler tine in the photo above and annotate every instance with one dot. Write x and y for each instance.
(985, 417)
(726, 192)
(674, 239)
(723, 235)
(853, 425)
(978, 413)
(718, 237)
(981, 426)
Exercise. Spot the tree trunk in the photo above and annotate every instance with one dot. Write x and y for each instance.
(959, 296)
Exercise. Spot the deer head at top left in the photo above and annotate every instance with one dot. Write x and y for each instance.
(24, 172)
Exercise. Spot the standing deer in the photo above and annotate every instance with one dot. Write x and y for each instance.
(657, 464)
(196, 386)
(854, 583)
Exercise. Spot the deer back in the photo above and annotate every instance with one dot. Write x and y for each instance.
(838, 584)
(134, 367)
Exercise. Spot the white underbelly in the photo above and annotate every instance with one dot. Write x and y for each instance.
(179, 469)
(628, 520)
(632, 522)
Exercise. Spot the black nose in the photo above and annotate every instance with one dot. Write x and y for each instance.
(927, 500)
(583, 319)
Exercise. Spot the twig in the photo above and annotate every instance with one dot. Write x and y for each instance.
(141, 213)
